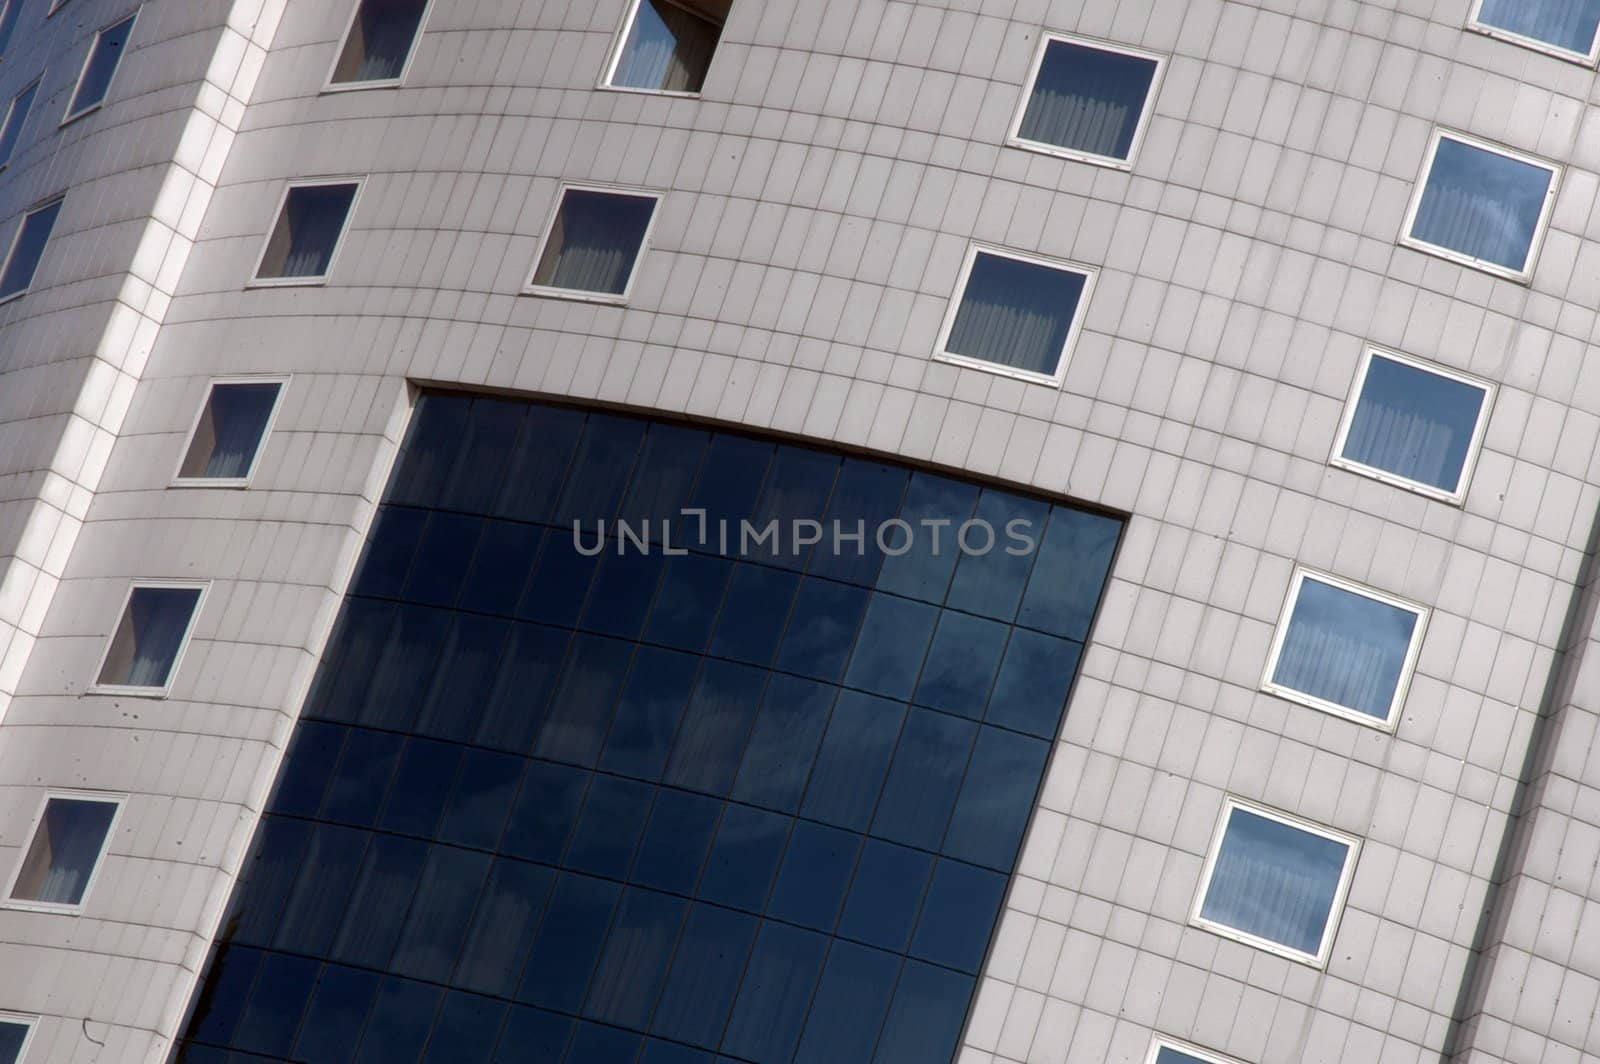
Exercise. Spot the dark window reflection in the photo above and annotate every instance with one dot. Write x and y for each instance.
(735, 802)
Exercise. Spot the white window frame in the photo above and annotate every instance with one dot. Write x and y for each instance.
(11, 110)
(329, 85)
(1408, 665)
(181, 481)
(551, 292)
(120, 801)
(1523, 275)
(1346, 420)
(1161, 1041)
(1583, 58)
(73, 116)
(29, 1024)
(257, 281)
(1074, 328)
(614, 57)
(16, 238)
(1335, 911)
(1014, 136)
(129, 690)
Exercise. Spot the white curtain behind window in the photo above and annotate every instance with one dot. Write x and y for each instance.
(1087, 99)
(1568, 24)
(668, 48)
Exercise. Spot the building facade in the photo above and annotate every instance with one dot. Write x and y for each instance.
(1260, 728)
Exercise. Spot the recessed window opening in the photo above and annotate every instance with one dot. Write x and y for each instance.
(668, 45)
(15, 1033)
(101, 66)
(155, 625)
(594, 243)
(61, 859)
(233, 423)
(1087, 101)
(1015, 314)
(310, 226)
(16, 115)
(380, 41)
(27, 249)
(1481, 205)
(1565, 26)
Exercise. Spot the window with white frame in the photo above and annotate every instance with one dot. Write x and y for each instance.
(309, 229)
(15, 1033)
(1481, 205)
(379, 42)
(226, 440)
(1413, 424)
(1566, 27)
(9, 10)
(591, 247)
(1015, 314)
(1275, 881)
(1087, 100)
(1164, 1050)
(143, 653)
(16, 115)
(666, 45)
(105, 55)
(27, 249)
(1344, 648)
(65, 850)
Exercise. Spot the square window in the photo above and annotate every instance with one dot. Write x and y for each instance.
(1561, 27)
(1087, 101)
(1413, 425)
(63, 854)
(27, 248)
(226, 440)
(1345, 649)
(15, 1033)
(1481, 205)
(1276, 882)
(101, 66)
(379, 43)
(11, 131)
(592, 245)
(1015, 314)
(1171, 1051)
(666, 45)
(309, 230)
(143, 653)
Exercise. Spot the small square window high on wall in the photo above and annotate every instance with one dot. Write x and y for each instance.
(16, 116)
(226, 440)
(592, 246)
(15, 1033)
(379, 43)
(310, 227)
(105, 55)
(1087, 100)
(1015, 314)
(667, 45)
(1561, 27)
(27, 249)
(143, 652)
(64, 853)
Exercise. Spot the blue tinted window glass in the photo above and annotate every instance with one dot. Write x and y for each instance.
(1274, 881)
(559, 584)
(711, 741)
(1345, 648)
(962, 663)
(958, 916)
(1562, 23)
(744, 857)
(569, 942)
(1087, 100)
(506, 553)
(446, 894)
(822, 629)
(865, 495)
(222, 1000)
(338, 1011)
(815, 873)
(463, 679)
(1481, 204)
(376, 909)
(705, 975)
(481, 461)
(730, 483)
(1016, 314)
(358, 787)
(421, 787)
(995, 562)
(851, 1002)
(103, 59)
(922, 560)
(668, 465)
(771, 1008)
(312, 755)
(316, 905)
(925, 1020)
(465, 1030)
(686, 605)
(393, 543)
(547, 807)
(16, 115)
(676, 841)
(357, 642)
(797, 490)
(503, 927)
(600, 470)
(996, 798)
(924, 778)
(1168, 1055)
(532, 1034)
(753, 614)
(647, 718)
(538, 469)
(659, 1052)
(1073, 559)
(622, 593)
(593, 1044)
(581, 711)
(594, 244)
(777, 761)
(442, 559)
(398, 1027)
(1413, 423)
(485, 788)
(889, 652)
(396, 689)
(1031, 693)
(267, 878)
(885, 895)
(32, 236)
(854, 758)
(523, 685)
(609, 827)
(428, 456)
(307, 232)
(283, 986)
(668, 48)
(634, 965)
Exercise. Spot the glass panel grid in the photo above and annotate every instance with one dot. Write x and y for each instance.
(671, 803)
